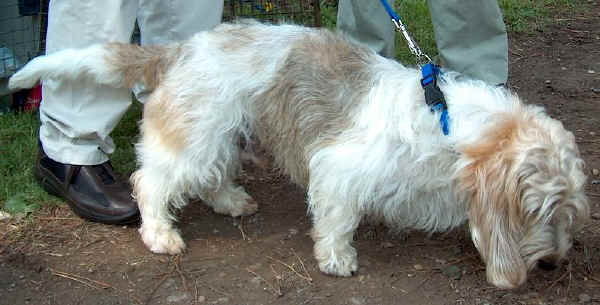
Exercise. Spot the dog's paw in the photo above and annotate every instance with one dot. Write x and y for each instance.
(164, 241)
(235, 203)
(337, 262)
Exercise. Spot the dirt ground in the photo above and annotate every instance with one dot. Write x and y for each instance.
(267, 258)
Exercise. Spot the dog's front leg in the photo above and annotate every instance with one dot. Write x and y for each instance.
(334, 226)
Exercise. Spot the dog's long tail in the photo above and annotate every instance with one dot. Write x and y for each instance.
(117, 65)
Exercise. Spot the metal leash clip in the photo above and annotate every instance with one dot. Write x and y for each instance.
(400, 27)
(412, 45)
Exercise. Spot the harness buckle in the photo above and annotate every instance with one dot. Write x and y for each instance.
(434, 97)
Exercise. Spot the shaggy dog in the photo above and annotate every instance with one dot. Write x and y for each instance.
(351, 127)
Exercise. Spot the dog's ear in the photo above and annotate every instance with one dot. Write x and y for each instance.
(490, 178)
(496, 224)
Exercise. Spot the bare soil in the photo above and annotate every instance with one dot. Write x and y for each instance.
(53, 257)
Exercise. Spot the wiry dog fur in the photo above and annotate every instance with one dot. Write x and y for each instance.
(350, 126)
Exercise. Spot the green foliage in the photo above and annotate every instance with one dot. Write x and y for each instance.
(416, 18)
(18, 149)
(21, 204)
(527, 16)
(125, 135)
(328, 14)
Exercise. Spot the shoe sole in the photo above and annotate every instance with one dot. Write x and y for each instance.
(45, 182)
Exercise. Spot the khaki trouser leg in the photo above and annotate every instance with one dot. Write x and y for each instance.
(366, 21)
(77, 117)
(471, 38)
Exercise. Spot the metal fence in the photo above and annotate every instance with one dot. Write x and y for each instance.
(22, 33)
(306, 12)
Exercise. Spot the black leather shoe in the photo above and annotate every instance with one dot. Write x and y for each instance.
(93, 192)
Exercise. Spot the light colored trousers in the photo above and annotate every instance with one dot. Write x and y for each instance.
(470, 34)
(78, 117)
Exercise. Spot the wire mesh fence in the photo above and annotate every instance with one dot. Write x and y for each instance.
(306, 12)
(22, 33)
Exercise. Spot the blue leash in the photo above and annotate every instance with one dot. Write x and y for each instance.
(390, 11)
(434, 97)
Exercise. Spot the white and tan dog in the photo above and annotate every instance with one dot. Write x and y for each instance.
(350, 126)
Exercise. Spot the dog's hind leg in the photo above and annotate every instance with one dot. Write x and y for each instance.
(164, 178)
(155, 190)
(214, 178)
(230, 199)
(218, 164)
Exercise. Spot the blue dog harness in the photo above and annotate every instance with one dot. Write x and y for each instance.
(434, 97)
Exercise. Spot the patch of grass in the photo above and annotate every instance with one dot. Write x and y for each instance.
(528, 16)
(125, 135)
(328, 14)
(18, 151)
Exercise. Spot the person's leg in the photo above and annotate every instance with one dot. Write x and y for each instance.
(367, 22)
(163, 22)
(77, 117)
(471, 38)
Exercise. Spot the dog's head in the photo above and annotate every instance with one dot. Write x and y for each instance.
(525, 180)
